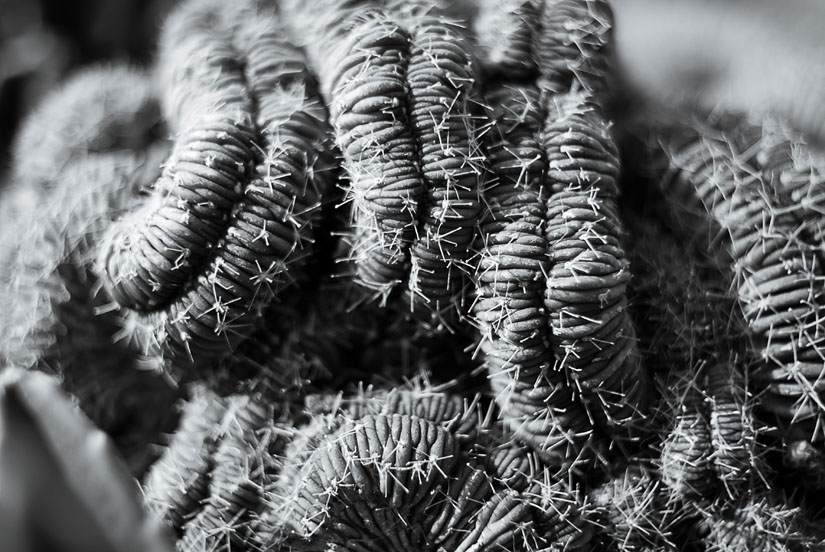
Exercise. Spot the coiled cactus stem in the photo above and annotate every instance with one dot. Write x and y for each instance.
(406, 470)
(511, 273)
(208, 486)
(232, 214)
(400, 85)
(730, 179)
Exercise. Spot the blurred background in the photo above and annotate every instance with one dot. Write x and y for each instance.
(42, 41)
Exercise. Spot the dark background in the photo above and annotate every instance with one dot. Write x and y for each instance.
(43, 41)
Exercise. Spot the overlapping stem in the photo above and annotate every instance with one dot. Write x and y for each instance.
(535, 399)
(594, 340)
(400, 93)
(233, 212)
(730, 179)
(369, 110)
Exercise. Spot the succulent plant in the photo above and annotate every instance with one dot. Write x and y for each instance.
(390, 284)
(233, 209)
(730, 181)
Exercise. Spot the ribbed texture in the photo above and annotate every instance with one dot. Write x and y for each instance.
(233, 211)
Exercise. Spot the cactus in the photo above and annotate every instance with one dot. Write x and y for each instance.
(401, 104)
(731, 182)
(451, 350)
(56, 319)
(594, 337)
(200, 261)
(410, 470)
(536, 400)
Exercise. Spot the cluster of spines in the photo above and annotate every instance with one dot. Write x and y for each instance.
(369, 110)
(760, 522)
(397, 470)
(229, 219)
(511, 272)
(686, 447)
(103, 124)
(690, 328)
(733, 177)
(633, 511)
(732, 428)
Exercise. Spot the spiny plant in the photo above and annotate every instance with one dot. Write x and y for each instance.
(551, 274)
(415, 470)
(594, 338)
(198, 263)
(400, 97)
(208, 485)
(99, 153)
(728, 183)
(97, 110)
(694, 344)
